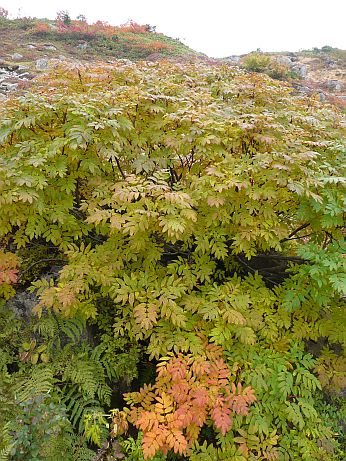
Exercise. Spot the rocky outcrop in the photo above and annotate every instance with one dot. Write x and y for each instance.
(301, 70)
(317, 73)
(22, 304)
(11, 76)
(284, 60)
(334, 85)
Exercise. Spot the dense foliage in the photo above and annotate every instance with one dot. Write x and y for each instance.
(182, 227)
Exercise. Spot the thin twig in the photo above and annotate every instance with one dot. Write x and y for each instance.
(284, 258)
(297, 238)
(46, 260)
(119, 167)
(303, 226)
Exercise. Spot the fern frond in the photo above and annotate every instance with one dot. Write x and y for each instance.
(67, 447)
(5, 442)
(5, 453)
(53, 325)
(90, 378)
(40, 382)
(76, 404)
(73, 328)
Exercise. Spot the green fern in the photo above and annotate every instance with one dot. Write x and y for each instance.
(54, 326)
(72, 328)
(89, 377)
(5, 443)
(76, 404)
(68, 447)
(40, 382)
(5, 453)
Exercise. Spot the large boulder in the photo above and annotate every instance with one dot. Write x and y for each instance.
(301, 70)
(284, 61)
(233, 58)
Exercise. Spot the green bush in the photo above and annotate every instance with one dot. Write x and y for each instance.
(256, 62)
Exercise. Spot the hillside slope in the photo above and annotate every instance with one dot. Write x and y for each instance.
(26, 40)
(32, 45)
(320, 71)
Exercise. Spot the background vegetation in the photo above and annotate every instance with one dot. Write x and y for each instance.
(78, 38)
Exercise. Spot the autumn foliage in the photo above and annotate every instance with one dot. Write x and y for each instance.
(9, 267)
(65, 25)
(188, 391)
(194, 218)
(105, 38)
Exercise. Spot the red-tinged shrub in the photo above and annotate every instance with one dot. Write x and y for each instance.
(159, 46)
(132, 26)
(40, 28)
(153, 46)
(9, 263)
(187, 393)
(8, 268)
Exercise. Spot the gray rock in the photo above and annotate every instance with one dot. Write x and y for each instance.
(30, 46)
(284, 61)
(334, 85)
(11, 76)
(17, 57)
(9, 86)
(301, 70)
(82, 46)
(22, 71)
(49, 46)
(322, 97)
(42, 64)
(301, 88)
(22, 303)
(126, 62)
(329, 62)
(293, 57)
(7, 68)
(234, 59)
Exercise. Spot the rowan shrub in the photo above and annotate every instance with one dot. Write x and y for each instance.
(194, 218)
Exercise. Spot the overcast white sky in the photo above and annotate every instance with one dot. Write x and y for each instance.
(216, 27)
